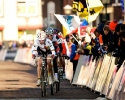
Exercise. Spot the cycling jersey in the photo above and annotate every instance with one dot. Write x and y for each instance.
(57, 42)
(47, 46)
(63, 44)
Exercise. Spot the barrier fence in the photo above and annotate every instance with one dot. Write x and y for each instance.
(97, 75)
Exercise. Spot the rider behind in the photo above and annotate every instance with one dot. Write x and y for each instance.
(43, 45)
(57, 42)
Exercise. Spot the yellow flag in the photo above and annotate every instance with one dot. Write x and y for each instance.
(64, 31)
(87, 9)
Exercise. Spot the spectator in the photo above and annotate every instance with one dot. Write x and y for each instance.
(108, 38)
(24, 44)
(117, 35)
(74, 56)
(112, 26)
(14, 45)
(121, 50)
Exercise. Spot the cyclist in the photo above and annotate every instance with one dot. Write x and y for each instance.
(63, 51)
(52, 34)
(43, 45)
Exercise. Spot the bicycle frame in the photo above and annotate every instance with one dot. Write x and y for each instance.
(44, 76)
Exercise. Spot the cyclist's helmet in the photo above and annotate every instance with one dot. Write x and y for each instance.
(41, 35)
(56, 31)
(49, 31)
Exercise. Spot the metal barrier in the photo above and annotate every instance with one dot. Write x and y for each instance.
(3, 54)
(96, 75)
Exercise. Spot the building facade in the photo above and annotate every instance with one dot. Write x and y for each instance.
(19, 19)
(49, 8)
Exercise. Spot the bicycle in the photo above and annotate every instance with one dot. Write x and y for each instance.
(60, 71)
(44, 77)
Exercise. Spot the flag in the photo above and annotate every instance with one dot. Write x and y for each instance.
(84, 30)
(70, 22)
(84, 23)
(64, 31)
(87, 9)
(122, 5)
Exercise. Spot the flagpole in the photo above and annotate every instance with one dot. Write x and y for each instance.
(88, 10)
(79, 26)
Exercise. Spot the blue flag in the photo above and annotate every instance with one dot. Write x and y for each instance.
(84, 23)
(68, 20)
(122, 5)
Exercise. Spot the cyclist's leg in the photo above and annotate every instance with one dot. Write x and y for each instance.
(39, 63)
(60, 63)
(49, 65)
(63, 65)
(55, 68)
(49, 68)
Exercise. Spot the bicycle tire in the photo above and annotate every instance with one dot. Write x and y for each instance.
(43, 89)
(43, 84)
(51, 89)
(58, 86)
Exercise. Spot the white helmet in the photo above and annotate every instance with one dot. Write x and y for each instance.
(41, 35)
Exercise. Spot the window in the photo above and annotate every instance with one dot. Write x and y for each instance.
(1, 8)
(27, 8)
(31, 9)
(50, 13)
(21, 8)
(103, 16)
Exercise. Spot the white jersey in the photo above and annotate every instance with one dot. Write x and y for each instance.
(56, 39)
(48, 44)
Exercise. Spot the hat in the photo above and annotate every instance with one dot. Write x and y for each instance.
(117, 28)
(100, 27)
(112, 25)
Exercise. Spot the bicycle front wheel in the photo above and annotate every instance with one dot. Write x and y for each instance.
(43, 89)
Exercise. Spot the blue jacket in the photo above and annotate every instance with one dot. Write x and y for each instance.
(73, 51)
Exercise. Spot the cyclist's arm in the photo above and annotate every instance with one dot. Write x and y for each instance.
(59, 43)
(34, 47)
(50, 44)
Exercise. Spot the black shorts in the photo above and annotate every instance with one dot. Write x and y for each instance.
(41, 52)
